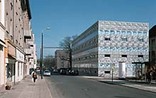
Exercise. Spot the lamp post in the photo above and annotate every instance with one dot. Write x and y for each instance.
(41, 53)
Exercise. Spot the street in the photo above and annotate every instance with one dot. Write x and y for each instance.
(78, 87)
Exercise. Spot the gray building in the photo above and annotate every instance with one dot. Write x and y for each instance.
(152, 48)
(112, 45)
(62, 59)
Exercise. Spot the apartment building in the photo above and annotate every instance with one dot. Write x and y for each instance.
(2, 42)
(30, 50)
(152, 51)
(112, 47)
(19, 40)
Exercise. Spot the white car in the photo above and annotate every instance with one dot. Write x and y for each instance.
(46, 73)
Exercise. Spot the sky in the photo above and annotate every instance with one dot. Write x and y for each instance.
(67, 18)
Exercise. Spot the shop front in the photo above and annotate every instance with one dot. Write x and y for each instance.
(10, 63)
(19, 66)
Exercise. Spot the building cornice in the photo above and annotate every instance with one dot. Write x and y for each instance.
(26, 7)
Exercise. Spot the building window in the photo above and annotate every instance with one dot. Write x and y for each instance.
(11, 6)
(108, 39)
(107, 55)
(124, 39)
(140, 56)
(124, 55)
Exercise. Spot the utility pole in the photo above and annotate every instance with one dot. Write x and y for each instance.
(41, 53)
(41, 57)
(70, 57)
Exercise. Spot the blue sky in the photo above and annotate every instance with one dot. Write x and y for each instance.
(72, 17)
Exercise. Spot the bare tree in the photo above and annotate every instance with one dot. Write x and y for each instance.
(49, 62)
(66, 43)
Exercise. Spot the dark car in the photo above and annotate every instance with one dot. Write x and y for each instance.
(55, 72)
(73, 72)
(63, 71)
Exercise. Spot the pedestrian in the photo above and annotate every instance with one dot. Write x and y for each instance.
(34, 76)
(148, 77)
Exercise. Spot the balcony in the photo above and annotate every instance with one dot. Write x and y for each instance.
(27, 34)
(31, 43)
(28, 51)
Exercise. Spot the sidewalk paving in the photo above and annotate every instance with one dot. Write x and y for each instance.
(138, 84)
(27, 89)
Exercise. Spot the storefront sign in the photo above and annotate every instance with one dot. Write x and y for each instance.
(19, 56)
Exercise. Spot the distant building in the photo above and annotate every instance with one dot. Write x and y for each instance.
(108, 45)
(62, 59)
(152, 51)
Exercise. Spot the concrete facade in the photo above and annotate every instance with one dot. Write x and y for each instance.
(2, 42)
(152, 51)
(62, 59)
(30, 50)
(17, 35)
(108, 46)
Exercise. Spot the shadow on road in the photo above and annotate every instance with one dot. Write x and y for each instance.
(113, 82)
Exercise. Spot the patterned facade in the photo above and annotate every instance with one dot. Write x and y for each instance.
(111, 45)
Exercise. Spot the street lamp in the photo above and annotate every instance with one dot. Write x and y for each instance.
(41, 53)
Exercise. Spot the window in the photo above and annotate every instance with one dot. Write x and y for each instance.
(107, 39)
(107, 72)
(107, 55)
(11, 6)
(124, 55)
(140, 56)
(124, 39)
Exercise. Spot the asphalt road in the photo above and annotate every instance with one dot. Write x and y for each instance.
(79, 87)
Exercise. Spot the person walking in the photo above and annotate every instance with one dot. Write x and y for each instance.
(148, 77)
(34, 76)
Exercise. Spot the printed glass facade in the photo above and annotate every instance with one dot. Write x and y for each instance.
(117, 43)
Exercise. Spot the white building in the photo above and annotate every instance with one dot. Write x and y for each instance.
(108, 45)
(2, 42)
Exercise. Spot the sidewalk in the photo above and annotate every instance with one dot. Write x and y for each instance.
(138, 84)
(27, 89)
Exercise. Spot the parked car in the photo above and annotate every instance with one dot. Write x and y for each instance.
(46, 73)
(72, 72)
(63, 71)
(55, 72)
(75, 72)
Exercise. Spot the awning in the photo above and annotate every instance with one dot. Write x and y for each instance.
(2, 43)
